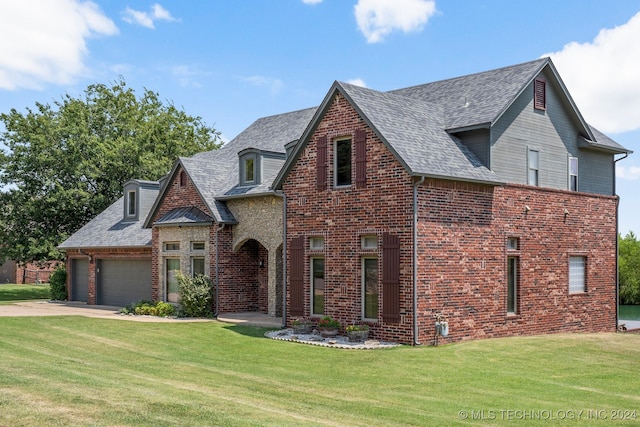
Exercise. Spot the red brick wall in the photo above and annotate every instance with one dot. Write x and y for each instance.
(34, 273)
(463, 259)
(343, 215)
(177, 196)
(463, 230)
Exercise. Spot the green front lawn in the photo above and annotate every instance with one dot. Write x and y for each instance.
(10, 293)
(102, 372)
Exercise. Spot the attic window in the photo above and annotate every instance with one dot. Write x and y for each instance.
(183, 179)
(131, 203)
(249, 170)
(539, 94)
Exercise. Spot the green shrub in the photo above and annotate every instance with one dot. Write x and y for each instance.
(196, 296)
(165, 309)
(58, 284)
(150, 308)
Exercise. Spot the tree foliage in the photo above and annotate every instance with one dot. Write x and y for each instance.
(66, 163)
(629, 268)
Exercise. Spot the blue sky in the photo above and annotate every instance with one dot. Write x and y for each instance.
(233, 61)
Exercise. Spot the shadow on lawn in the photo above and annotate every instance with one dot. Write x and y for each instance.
(248, 330)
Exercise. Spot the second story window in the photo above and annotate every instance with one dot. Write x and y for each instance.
(533, 159)
(249, 170)
(131, 203)
(343, 163)
(573, 173)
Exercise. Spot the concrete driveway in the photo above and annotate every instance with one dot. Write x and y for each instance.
(73, 308)
(50, 308)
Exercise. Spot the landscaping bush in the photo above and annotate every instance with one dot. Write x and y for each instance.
(149, 308)
(196, 296)
(58, 284)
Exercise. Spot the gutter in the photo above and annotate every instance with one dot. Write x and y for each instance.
(280, 193)
(217, 277)
(415, 260)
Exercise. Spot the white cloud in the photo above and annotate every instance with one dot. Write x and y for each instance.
(630, 173)
(147, 19)
(377, 18)
(358, 82)
(603, 78)
(45, 42)
(311, 1)
(188, 75)
(274, 85)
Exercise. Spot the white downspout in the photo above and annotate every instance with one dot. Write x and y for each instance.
(415, 260)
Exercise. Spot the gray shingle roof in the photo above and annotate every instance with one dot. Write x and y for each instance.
(414, 130)
(215, 173)
(476, 98)
(109, 229)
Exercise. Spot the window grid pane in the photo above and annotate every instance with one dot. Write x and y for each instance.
(317, 266)
(370, 285)
(343, 162)
(576, 274)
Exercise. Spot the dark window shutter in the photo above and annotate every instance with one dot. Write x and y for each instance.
(539, 94)
(321, 164)
(390, 278)
(361, 158)
(296, 289)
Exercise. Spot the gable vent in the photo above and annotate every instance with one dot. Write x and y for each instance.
(539, 94)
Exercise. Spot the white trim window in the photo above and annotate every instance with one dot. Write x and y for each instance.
(573, 173)
(533, 160)
(577, 274)
(131, 203)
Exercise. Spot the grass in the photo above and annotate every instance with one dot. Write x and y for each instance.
(10, 293)
(629, 312)
(101, 372)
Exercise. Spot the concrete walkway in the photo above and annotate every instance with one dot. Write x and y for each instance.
(251, 318)
(630, 324)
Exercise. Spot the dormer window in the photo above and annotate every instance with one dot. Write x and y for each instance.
(249, 170)
(249, 167)
(131, 203)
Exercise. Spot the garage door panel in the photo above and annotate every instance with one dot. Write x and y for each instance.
(122, 282)
(79, 280)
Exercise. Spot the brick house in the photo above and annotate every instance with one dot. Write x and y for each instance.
(486, 199)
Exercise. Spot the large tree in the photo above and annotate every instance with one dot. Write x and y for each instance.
(64, 164)
(629, 268)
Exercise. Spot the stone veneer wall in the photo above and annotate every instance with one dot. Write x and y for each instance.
(260, 219)
(184, 236)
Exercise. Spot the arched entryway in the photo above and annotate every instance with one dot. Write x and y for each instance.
(257, 275)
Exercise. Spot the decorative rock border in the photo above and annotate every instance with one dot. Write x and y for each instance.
(315, 338)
